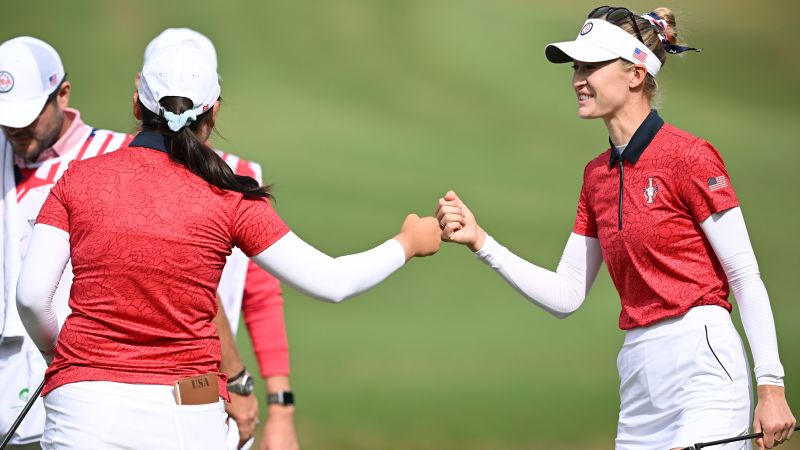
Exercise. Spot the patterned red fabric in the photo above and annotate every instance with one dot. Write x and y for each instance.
(148, 243)
(661, 262)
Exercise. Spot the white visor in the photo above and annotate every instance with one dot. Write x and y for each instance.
(600, 40)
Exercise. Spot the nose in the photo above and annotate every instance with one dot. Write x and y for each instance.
(578, 80)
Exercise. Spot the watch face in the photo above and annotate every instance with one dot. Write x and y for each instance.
(249, 383)
(244, 386)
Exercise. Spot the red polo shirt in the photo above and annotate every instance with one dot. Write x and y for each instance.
(646, 207)
(148, 241)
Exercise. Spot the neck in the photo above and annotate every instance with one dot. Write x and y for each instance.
(68, 118)
(624, 122)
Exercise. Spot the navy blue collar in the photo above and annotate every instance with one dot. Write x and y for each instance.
(640, 139)
(152, 140)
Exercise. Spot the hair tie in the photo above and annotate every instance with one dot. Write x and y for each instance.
(676, 49)
(660, 26)
(177, 121)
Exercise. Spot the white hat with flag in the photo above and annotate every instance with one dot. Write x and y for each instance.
(30, 71)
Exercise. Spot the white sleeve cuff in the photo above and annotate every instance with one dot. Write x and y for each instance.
(769, 380)
(492, 253)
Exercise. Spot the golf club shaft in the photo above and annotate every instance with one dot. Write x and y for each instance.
(729, 440)
(21, 416)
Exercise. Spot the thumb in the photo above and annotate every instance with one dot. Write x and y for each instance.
(756, 430)
(450, 196)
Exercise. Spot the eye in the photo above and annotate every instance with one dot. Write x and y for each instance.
(574, 67)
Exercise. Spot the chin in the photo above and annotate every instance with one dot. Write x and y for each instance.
(28, 150)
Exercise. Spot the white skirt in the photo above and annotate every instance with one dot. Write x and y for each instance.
(107, 415)
(683, 381)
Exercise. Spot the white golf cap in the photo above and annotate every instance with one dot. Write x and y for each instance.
(182, 36)
(179, 71)
(600, 40)
(30, 70)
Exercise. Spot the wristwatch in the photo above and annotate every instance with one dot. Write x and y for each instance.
(242, 383)
(284, 398)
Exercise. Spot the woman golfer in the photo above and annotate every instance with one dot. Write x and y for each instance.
(148, 228)
(659, 209)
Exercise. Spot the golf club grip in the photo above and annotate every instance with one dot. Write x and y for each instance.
(726, 441)
(21, 416)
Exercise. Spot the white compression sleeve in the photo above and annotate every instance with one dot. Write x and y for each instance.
(316, 274)
(48, 254)
(727, 233)
(561, 292)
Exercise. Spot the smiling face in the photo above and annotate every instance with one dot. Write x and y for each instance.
(602, 88)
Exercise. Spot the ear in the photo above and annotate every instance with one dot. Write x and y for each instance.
(137, 111)
(214, 110)
(638, 76)
(62, 98)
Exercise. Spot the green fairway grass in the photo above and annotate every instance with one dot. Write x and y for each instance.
(361, 111)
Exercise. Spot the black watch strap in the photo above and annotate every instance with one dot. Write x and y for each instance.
(236, 377)
(285, 398)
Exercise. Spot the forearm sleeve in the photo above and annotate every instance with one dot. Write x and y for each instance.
(48, 254)
(727, 233)
(561, 292)
(316, 274)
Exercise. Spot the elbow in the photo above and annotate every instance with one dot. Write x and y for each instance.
(563, 314)
(561, 304)
(337, 295)
(574, 301)
(559, 311)
(338, 289)
(27, 298)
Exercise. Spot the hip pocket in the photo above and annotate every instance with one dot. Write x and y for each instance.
(724, 353)
(668, 366)
(201, 426)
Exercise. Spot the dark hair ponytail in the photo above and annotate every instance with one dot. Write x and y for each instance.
(185, 148)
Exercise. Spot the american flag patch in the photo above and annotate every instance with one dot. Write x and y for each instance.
(717, 183)
(53, 79)
(639, 55)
